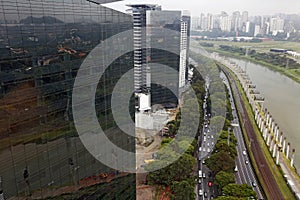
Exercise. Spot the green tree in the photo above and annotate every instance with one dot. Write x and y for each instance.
(239, 191)
(183, 190)
(220, 161)
(222, 145)
(223, 178)
(179, 170)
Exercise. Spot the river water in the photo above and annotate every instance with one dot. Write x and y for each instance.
(282, 99)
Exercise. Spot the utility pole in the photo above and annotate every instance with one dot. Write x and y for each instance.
(228, 137)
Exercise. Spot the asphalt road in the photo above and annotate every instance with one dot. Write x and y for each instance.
(265, 172)
(244, 172)
(206, 143)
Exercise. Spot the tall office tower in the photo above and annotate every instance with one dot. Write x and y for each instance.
(184, 47)
(155, 23)
(42, 45)
(142, 74)
(168, 20)
(141, 71)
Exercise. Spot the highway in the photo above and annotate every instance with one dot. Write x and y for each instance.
(271, 187)
(244, 171)
(206, 142)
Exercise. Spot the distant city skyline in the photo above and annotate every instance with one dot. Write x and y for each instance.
(196, 7)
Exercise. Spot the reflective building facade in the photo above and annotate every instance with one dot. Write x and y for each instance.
(42, 45)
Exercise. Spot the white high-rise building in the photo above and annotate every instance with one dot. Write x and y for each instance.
(256, 30)
(210, 22)
(148, 21)
(225, 23)
(183, 53)
(276, 25)
(196, 23)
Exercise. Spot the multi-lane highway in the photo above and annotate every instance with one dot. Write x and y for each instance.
(244, 172)
(206, 188)
(271, 187)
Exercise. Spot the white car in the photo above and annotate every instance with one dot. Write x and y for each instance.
(200, 148)
(204, 149)
(244, 152)
(212, 143)
(200, 174)
(208, 149)
(208, 144)
(204, 138)
(200, 192)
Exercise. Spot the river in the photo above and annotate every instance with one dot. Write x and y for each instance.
(282, 99)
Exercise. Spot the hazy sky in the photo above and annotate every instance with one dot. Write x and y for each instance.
(254, 7)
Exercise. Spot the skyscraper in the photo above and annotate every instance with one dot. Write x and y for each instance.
(42, 45)
(149, 25)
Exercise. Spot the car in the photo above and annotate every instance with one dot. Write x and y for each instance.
(199, 181)
(211, 196)
(208, 144)
(204, 149)
(200, 174)
(206, 125)
(236, 168)
(208, 130)
(203, 162)
(208, 150)
(254, 184)
(209, 183)
(200, 148)
(204, 133)
(212, 137)
(244, 152)
(200, 192)
(246, 162)
(203, 175)
(205, 194)
(212, 143)
(208, 137)
(204, 138)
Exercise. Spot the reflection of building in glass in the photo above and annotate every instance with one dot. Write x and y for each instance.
(42, 45)
(148, 43)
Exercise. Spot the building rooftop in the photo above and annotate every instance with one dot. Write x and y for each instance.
(149, 6)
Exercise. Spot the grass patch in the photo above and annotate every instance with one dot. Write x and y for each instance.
(276, 171)
(293, 74)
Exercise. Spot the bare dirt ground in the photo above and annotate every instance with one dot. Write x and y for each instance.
(145, 192)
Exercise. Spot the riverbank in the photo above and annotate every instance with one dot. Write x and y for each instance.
(255, 143)
(293, 74)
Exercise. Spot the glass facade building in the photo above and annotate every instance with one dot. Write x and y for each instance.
(42, 45)
(158, 22)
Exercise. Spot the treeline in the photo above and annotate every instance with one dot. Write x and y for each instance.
(222, 162)
(272, 58)
(174, 163)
